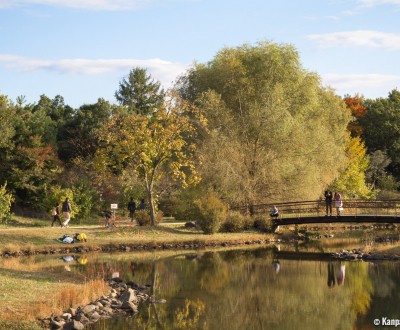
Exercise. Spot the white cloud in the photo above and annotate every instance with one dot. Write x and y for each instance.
(365, 38)
(164, 71)
(372, 3)
(79, 4)
(367, 83)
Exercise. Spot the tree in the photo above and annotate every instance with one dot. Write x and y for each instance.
(151, 147)
(352, 182)
(274, 132)
(7, 121)
(29, 161)
(357, 111)
(379, 161)
(140, 93)
(77, 137)
(381, 128)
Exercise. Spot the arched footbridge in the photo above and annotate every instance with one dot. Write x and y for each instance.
(354, 211)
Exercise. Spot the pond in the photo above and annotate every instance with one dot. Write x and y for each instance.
(253, 289)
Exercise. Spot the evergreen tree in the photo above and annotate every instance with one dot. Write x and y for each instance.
(140, 93)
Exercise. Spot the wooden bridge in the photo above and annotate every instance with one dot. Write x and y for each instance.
(354, 211)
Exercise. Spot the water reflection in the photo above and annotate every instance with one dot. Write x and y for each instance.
(241, 290)
(237, 289)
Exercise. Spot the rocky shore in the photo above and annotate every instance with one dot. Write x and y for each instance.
(360, 255)
(123, 299)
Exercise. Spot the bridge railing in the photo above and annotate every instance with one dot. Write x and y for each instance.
(353, 207)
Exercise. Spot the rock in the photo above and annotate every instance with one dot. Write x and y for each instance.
(66, 316)
(129, 305)
(191, 225)
(105, 302)
(74, 325)
(82, 318)
(55, 325)
(128, 295)
(94, 317)
(72, 311)
(107, 310)
(98, 304)
(89, 309)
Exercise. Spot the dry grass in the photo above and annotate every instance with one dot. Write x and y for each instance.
(53, 300)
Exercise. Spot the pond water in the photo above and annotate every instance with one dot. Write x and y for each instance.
(253, 289)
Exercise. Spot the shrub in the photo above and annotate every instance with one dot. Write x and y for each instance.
(180, 204)
(159, 216)
(5, 204)
(210, 212)
(143, 218)
(262, 222)
(234, 223)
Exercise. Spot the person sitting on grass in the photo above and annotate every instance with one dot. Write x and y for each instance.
(80, 237)
(66, 239)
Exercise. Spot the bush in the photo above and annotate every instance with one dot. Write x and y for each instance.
(262, 222)
(143, 218)
(210, 212)
(180, 204)
(234, 223)
(5, 204)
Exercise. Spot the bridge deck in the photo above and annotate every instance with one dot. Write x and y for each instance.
(341, 219)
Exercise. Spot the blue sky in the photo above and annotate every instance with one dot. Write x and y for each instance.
(81, 49)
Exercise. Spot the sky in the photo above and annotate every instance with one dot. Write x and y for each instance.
(82, 49)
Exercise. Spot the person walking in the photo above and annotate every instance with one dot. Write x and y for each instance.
(132, 209)
(56, 214)
(142, 205)
(66, 209)
(337, 198)
(328, 202)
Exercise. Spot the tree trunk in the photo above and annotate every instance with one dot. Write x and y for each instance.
(149, 188)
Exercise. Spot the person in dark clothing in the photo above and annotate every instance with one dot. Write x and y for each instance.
(142, 205)
(331, 275)
(66, 209)
(328, 202)
(132, 209)
(56, 215)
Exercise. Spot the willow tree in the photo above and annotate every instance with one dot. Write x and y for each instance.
(151, 147)
(274, 132)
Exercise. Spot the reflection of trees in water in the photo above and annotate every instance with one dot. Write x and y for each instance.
(212, 273)
(241, 290)
(360, 286)
(385, 277)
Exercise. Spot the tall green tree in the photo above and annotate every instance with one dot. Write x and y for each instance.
(274, 132)
(29, 161)
(76, 138)
(140, 93)
(7, 120)
(381, 128)
(150, 147)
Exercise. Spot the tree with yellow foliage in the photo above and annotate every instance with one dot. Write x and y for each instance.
(151, 147)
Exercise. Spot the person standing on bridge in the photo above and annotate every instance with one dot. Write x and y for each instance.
(337, 198)
(328, 202)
